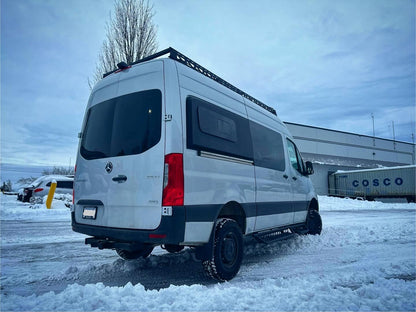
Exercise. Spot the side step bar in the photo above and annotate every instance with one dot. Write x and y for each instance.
(279, 234)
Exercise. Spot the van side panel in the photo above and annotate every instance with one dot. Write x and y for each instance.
(212, 182)
(273, 190)
(173, 113)
(302, 188)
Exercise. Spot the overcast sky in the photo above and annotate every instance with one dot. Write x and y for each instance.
(328, 64)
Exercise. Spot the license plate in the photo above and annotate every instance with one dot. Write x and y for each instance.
(89, 213)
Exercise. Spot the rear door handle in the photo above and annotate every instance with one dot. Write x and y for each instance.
(120, 179)
(285, 176)
(294, 178)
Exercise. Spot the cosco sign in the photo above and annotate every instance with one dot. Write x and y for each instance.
(377, 182)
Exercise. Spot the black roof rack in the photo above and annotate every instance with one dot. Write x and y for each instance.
(179, 57)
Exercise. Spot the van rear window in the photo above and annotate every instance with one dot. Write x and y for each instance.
(127, 125)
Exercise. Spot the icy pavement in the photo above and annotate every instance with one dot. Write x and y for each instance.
(364, 260)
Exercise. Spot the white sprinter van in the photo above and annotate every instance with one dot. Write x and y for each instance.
(172, 155)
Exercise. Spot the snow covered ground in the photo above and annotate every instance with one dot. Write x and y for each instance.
(364, 260)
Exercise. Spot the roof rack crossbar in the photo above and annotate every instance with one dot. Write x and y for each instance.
(179, 57)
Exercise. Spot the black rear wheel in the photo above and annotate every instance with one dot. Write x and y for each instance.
(172, 248)
(131, 255)
(228, 251)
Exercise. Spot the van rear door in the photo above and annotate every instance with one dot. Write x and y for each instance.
(119, 178)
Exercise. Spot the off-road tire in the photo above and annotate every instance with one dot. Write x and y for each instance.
(227, 251)
(314, 223)
(172, 248)
(131, 255)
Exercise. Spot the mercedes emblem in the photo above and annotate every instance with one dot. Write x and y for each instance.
(109, 167)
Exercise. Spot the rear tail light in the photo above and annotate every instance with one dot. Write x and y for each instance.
(38, 190)
(173, 185)
(157, 236)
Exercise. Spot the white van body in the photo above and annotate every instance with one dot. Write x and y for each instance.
(238, 162)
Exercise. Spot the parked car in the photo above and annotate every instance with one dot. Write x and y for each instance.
(20, 194)
(40, 187)
(24, 193)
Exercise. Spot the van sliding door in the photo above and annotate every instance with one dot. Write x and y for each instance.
(273, 191)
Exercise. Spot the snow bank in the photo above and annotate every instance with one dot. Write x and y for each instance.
(12, 209)
(329, 203)
(352, 292)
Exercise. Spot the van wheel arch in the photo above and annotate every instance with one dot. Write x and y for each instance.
(314, 205)
(233, 210)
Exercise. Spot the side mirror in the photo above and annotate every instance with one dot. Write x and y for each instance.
(309, 168)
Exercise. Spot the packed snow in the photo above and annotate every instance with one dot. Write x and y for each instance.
(12, 209)
(363, 260)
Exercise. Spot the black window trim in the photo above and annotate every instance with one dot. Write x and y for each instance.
(192, 105)
(192, 112)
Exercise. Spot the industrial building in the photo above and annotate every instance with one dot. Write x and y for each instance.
(331, 150)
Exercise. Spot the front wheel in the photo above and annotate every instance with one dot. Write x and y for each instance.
(227, 252)
(314, 223)
(131, 255)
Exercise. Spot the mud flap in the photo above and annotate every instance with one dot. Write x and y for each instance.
(206, 251)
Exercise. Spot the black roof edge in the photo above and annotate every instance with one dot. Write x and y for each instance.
(179, 57)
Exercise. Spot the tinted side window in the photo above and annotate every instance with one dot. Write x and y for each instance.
(294, 156)
(126, 125)
(214, 129)
(300, 162)
(218, 125)
(65, 184)
(267, 147)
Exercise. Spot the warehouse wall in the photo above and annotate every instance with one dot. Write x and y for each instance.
(331, 150)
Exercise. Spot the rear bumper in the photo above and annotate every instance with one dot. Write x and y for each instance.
(171, 230)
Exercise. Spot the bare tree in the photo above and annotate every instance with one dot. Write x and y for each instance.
(59, 171)
(131, 36)
(24, 181)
